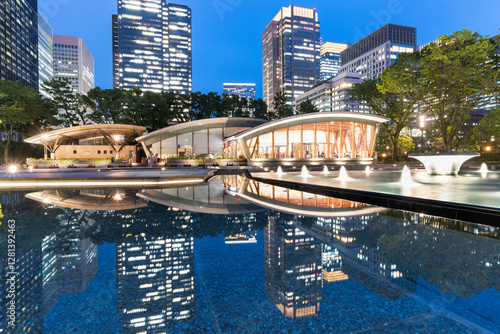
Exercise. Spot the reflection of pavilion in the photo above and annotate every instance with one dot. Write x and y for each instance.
(297, 202)
(93, 199)
(292, 269)
(206, 198)
(155, 279)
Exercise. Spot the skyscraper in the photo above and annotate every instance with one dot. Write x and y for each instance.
(373, 54)
(116, 76)
(291, 53)
(19, 41)
(330, 59)
(154, 46)
(73, 61)
(246, 90)
(45, 53)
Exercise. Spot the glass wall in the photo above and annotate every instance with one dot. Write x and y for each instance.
(326, 140)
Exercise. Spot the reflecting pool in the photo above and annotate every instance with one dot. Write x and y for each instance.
(240, 256)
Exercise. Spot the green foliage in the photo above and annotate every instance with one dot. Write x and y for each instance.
(21, 110)
(306, 107)
(69, 104)
(487, 132)
(448, 73)
(405, 144)
(281, 108)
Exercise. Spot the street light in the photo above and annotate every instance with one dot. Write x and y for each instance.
(44, 137)
(422, 126)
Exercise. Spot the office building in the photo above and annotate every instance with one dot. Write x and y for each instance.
(333, 95)
(73, 61)
(155, 275)
(45, 53)
(291, 53)
(293, 268)
(379, 50)
(330, 59)
(154, 46)
(19, 42)
(116, 81)
(246, 90)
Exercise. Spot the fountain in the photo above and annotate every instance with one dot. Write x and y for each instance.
(343, 174)
(483, 170)
(367, 170)
(406, 179)
(279, 171)
(325, 170)
(443, 163)
(304, 172)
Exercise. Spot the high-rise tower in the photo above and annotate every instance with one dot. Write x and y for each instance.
(73, 61)
(19, 41)
(154, 46)
(291, 53)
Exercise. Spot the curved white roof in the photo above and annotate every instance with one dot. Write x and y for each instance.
(202, 124)
(86, 131)
(313, 118)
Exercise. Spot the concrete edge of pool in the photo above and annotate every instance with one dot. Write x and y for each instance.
(148, 178)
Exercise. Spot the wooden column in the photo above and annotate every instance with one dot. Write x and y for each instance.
(315, 155)
(353, 140)
(288, 142)
(272, 134)
(301, 155)
(328, 139)
(341, 140)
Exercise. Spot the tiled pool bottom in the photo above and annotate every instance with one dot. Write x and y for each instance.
(230, 297)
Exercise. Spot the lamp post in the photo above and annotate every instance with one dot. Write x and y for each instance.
(421, 124)
(44, 137)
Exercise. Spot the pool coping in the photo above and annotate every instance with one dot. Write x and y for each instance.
(458, 211)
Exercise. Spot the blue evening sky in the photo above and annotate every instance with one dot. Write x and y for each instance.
(227, 34)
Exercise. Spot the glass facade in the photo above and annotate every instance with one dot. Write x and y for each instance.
(73, 61)
(45, 53)
(154, 46)
(246, 90)
(198, 138)
(291, 53)
(333, 95)
(318, 140)
(379, 50)
(19, 42)
(330, 59)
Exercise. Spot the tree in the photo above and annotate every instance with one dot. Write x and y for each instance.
(487, 132)
(448, 78)
(405, 144)
(66, 102)
(281, 108)
(306, 107)
(259, 108)
(21, 108)
(489, 79)
(106, 106)
(392, 97)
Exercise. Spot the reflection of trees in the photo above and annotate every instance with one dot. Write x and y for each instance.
(432, 248)
(163, 221)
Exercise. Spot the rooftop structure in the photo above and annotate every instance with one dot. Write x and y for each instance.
(333, 95)
(379, 50)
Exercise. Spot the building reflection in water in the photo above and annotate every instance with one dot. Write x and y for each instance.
(310, 240)
(293, 268)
